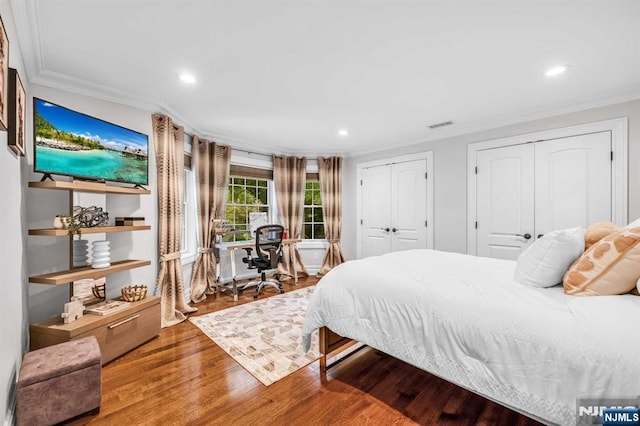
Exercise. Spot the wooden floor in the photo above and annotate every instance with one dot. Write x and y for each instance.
(183, 378)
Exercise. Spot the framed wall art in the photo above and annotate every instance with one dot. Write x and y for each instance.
(17, 113)
(4, 77)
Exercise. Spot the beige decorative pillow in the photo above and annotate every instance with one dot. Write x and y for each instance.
(610, 266)
(597, 231)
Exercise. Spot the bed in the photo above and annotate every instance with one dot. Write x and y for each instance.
(463, 318)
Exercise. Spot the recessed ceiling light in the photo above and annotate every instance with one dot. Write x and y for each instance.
(552, 72)
(343, 132)
(187, 78)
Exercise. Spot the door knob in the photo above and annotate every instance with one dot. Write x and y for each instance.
(385, 229)
(540, 235)
(394, 230)
(525, 236)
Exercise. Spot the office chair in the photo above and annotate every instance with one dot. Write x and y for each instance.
(269, 250)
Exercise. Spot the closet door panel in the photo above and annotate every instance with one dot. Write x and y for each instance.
(376, 211)
(408, 205)
(572, 182)
(505, 206)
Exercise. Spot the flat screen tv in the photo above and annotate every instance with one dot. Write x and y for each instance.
(71, 143)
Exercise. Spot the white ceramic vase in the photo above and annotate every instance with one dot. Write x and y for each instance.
(101, 255)
(80, 253)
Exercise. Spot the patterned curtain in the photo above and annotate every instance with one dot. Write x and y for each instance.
(330, 172)
(290, 175)
(169, 147)
(212, 163)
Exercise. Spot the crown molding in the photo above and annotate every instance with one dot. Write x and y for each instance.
(627, 95)
(26, 20)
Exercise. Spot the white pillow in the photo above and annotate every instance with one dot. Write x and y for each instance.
(634, 224)
(545, 262)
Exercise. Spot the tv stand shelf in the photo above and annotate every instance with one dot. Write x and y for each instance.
(57, 232)
(88, 187)
(63, 277)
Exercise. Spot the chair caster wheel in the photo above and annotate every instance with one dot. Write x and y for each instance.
(255, 296)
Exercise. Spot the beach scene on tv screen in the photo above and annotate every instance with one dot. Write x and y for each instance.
(75, 144)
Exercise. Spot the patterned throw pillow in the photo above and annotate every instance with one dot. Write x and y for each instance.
(610, 266)
(597, 231)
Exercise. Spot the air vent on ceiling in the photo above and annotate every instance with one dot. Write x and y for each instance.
(438, 125)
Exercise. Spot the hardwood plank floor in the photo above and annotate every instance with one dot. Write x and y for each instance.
(183, 378)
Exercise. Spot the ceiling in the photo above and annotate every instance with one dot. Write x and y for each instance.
(286, 76)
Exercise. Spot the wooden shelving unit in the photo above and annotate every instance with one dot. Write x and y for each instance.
(119, 332)
(64, 277)
(56, 232)
(88, 187)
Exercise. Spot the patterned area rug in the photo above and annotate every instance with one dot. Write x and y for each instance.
(264, 336)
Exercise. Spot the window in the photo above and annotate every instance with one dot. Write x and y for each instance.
(245, 195)
(189, 241)
(313, 221)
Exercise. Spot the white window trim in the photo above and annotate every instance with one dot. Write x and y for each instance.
(189, 254)
(619, 171)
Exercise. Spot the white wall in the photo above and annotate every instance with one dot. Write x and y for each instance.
(13, 302)
(450, 178)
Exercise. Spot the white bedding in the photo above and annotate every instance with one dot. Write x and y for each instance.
(464, 319)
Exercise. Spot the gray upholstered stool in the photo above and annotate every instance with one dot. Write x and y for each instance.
(59, 382)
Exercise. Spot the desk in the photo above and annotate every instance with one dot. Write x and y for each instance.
(232, 246)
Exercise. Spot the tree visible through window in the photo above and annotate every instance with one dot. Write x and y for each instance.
(313, 221)
(245, 195)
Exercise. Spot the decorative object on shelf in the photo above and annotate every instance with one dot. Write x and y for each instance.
(82, 289)
(4, 77)
(68, 223)
(134, 293)
(99, 291)
(101, 255)
(88, 217)
(80, 253)
(58, 221)
(72, 310)
(130, 221)
(107, 307)
(17, 114)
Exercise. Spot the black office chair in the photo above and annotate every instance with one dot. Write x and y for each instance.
(269, 251)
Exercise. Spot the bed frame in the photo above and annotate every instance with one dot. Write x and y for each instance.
(330, 342)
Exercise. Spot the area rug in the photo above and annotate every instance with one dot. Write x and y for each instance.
(264, 336)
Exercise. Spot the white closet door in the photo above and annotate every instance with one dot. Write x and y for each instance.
(573, 182)
(408, 205)
(505, 201)
(376, 212)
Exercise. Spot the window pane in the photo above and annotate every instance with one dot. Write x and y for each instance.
(262, 195)
(317, 215)
(245, 195)
(318, 231)
(308, 228)
(317, 200)
(308, 214)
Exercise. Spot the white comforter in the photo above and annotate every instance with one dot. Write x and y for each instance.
(463, 318)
